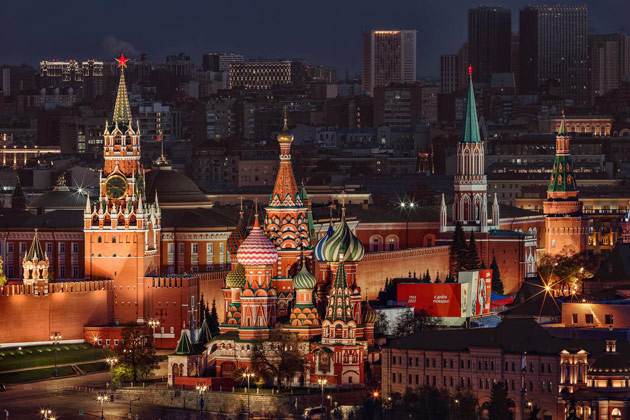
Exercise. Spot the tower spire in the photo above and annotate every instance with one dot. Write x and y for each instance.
(471, 125)
(122, 110)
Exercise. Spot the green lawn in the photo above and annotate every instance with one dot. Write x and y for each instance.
(13, 358)
(35, 375)
(93, 367)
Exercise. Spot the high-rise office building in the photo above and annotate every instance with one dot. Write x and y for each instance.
(219, 62)
(463, 62)
(489, 38)
(608, 62)
(389, 57)
(266, 74)
(86, 78)
(449, 73)
(553, 44)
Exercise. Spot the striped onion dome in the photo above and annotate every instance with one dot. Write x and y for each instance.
(304, 280)
(370, 316)
(256, 249)
(237, 237)
(235, 279)
(319, 246)
(343, 242)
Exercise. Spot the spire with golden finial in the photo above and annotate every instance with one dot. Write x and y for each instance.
(285, 136)
(122, 110)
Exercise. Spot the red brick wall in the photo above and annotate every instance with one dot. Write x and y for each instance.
(376, 267)
(32, 318)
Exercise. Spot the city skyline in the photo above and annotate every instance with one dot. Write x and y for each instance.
(277, 31)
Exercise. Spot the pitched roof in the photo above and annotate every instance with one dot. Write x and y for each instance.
(471, 124)
(122, 110)
(339, 308)
(36, 250)
(183, 345)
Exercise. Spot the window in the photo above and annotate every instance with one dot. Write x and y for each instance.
(410, 361)
(75, 248)
(589, 318)
(609, 319)
(410, 381)
(75, 271)
(48, 248)
(194, 248)
(62, 247)
(513, 368)
(181, 248)
(434, 362)
(209, 253)
(62, 271)
(574, 318)
(553, 243)
(393, 360)
(444, 362)
(221, 254)
(393, 377)
(417, 380)
(417, 362)
(22, 247)
(10, 247)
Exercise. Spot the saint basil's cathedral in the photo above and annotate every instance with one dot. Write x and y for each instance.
(271, 289)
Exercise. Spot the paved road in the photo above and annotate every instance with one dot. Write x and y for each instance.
(25, 401)
(51, 366)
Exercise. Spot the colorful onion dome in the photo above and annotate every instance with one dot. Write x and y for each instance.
(235, 279)
(318, 250)
(256, 249)
(304, 280)
(343, 241)
(370, 316)
(237, 237)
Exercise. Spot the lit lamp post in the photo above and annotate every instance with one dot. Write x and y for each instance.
(322, 382)
(248, 376)
(46, 414)
(101, 398)
(201, 389)
(55, 337)
(111, 361)
(154, 323)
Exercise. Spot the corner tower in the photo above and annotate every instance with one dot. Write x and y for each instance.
(122, 232)
(565, 225)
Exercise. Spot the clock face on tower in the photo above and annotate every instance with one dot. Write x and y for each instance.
(116, 187)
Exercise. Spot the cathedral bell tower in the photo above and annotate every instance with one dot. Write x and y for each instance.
(122, 232)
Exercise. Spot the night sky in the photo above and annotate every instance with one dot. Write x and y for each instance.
(322, 32)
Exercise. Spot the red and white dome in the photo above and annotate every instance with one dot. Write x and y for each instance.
(257, 249)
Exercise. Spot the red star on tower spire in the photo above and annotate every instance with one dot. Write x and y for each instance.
(470, 70)
(122, 61)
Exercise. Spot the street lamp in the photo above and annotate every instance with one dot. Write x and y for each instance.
(153, 323)
(201, 389)
(322, 382)
(248, 376)
(111, 361)
(46, 414)
(101, 398)
(55, 337)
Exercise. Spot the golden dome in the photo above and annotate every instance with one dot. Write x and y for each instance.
(285, 136)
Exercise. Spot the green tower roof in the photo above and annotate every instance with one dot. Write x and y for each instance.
(339, 308)
(471, 125)
(183, 345)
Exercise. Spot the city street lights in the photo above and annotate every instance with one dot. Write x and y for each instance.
(55, 337)
(154, 323)
(322, 382)
(201, 389)
(248, 376)
(46, 414)
(101, 398)
(111, 361)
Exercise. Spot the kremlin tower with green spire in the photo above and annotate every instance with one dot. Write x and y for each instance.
(566, 228)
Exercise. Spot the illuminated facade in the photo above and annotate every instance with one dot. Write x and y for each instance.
(389, 57)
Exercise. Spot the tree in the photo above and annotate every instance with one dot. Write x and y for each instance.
(136, 357)
(497, 283)
(382, 324)
(458, 253)
(566, 270)
(499, 403)
(213, 319)
(533, 414)
(427, 277)
(473, 255)
(279, 357)
(409, 323)
(437, 278)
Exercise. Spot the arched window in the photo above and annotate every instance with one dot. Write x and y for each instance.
(392, 243)
(429, 240)
(376, 243)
